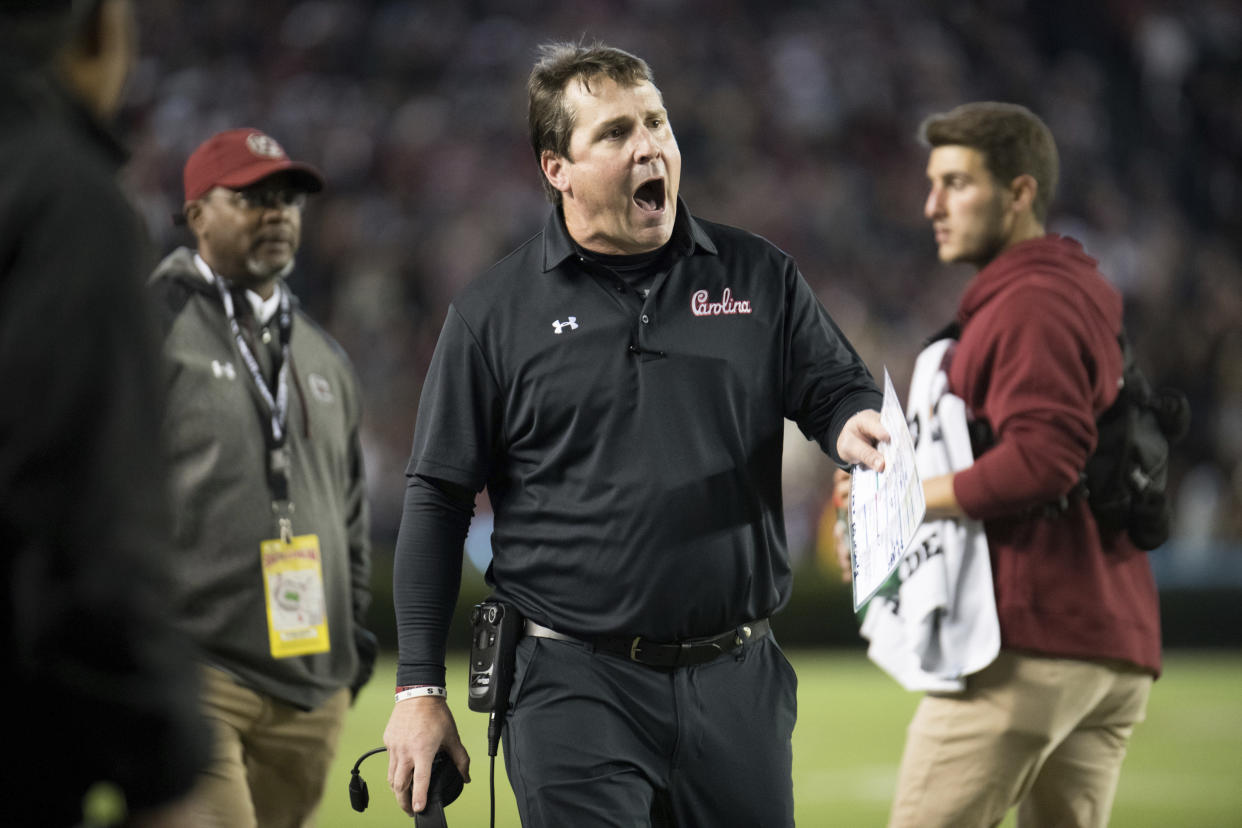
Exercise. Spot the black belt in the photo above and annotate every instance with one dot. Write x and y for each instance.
(686, 653)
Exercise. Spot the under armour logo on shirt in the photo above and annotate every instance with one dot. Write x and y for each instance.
(560, 326)
(223, 370)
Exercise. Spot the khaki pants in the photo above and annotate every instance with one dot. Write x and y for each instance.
(270, 760)
(1046, 734)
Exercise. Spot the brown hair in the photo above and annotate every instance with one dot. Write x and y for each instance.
(551, 121)
(1012, 139)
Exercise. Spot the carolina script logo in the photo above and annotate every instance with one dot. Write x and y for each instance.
(699, 305)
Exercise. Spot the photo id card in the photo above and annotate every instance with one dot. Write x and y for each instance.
(297, 619)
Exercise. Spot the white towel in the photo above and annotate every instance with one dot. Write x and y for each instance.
(939, 624)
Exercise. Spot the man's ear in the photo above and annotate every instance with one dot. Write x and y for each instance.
(99, 54)
(193, 212)
(554, 169)
(1024, 188)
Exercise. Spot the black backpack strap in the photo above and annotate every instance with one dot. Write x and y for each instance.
(953, 330)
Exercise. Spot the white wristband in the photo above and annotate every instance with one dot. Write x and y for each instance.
(421, 690)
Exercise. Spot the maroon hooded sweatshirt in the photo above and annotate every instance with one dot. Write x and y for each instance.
(1038, 359)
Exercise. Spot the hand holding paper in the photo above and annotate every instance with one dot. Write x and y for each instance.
(857, 443)
(886, 506)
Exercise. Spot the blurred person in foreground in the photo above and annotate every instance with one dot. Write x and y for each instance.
(1045, 726)
(102, 684)
(620, 384)
(272, 546)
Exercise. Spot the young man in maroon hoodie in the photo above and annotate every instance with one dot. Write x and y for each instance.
(1045, 726)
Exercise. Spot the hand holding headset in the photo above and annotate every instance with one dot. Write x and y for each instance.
(442, 790)
(497, 628)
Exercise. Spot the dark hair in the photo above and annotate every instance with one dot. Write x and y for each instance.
(32, 31)
(1012, 139)
(551, 121)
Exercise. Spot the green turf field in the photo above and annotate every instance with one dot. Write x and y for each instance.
(1182, 769)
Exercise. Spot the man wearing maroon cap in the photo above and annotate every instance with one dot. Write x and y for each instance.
(231, 181)
(271, 527)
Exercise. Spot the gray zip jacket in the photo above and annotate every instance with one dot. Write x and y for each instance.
(214, 433)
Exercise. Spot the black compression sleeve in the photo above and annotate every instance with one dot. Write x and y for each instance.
(427, 574)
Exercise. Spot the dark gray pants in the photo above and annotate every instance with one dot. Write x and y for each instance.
(595, 740)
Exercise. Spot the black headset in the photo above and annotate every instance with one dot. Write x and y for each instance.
(442, 790)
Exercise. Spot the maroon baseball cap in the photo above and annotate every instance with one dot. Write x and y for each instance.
(237, 158)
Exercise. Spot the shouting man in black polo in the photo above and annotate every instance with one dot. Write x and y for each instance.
(619, 384)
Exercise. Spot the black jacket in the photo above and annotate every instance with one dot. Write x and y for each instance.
(108, 690)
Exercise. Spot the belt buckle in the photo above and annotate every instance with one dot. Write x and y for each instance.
(634, 648)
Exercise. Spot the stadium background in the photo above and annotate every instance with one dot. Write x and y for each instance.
(796, 120)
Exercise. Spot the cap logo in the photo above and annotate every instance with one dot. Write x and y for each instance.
(264, 146)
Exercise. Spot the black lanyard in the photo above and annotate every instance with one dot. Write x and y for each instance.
(277, 405)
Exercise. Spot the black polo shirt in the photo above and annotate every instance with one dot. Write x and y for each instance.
(632, 447)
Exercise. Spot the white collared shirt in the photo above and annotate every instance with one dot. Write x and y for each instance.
(264, 309)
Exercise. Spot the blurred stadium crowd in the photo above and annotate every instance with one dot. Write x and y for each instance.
(796, 121)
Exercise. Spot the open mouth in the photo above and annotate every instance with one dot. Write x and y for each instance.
(650, 195)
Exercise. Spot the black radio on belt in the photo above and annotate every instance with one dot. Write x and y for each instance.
(496, 628)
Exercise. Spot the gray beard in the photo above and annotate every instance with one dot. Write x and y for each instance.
(262, 272)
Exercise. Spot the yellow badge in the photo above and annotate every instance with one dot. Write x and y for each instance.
(297, 620)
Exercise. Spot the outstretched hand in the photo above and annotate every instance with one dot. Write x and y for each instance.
(857, 444)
